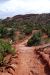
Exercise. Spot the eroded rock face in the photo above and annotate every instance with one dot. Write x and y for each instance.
(10, 71)
(7, 59)
(47, 50)
(14, 59)
(45, 54)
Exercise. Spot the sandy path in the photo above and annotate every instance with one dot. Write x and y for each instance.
(28, 64)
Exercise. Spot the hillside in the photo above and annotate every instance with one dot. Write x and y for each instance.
(31, 18)
(25, 45)
(28, 21)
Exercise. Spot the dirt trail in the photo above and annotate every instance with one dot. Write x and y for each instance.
(28, 64)
(27, 61)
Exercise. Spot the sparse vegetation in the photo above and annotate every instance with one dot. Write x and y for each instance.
(25, 24)
(18, 29)
(35, 39)
(5, 48)
(7, 32)
(28, 30)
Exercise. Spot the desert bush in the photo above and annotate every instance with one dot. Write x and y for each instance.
(7, 32)
(5, 48)
(1, 58)
(21, 36)
(3, 32)
(46, 29)
(35, 39)
(28, 30)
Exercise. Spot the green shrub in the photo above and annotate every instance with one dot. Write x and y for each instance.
(5, 48)
(3, 32)
(1, 58)
(46, 29)
(7, 32)
(48, 32)
(35, 39)
(28, 30)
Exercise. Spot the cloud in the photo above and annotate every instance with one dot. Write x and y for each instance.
(2, 1)
(13, 7)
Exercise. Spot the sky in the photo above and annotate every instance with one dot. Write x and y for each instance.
(9, 8)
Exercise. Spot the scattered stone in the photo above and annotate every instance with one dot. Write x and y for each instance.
(47, 51)
(7, 59)
(34, 72)
(10, 71)
(15, 56)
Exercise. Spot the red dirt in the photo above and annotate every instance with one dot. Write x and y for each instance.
(26, 62)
